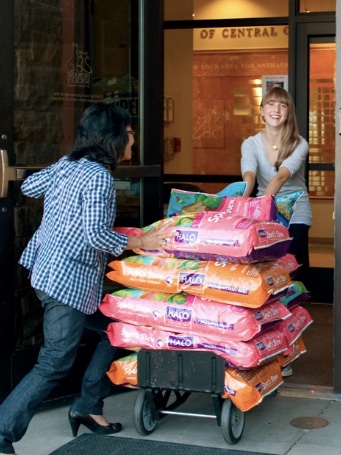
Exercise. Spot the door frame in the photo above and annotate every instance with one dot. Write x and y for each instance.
(302, 30)
(150, 61)
(337, 206)
(151, 53)
(6, 205)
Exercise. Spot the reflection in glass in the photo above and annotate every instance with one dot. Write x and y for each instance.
(216, 84)
(322, 118)
(223, 9)
(317, 6)
(67, 55)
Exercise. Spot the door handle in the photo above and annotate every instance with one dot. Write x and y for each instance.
(11, 173)
(14, 173)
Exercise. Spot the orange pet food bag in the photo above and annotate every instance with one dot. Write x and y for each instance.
(292, 353)
(246, 388)
(124, 371)
(249, 285)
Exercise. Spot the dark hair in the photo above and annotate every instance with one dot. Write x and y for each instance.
(101, 134)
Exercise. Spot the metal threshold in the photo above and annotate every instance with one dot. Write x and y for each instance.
(309, 391)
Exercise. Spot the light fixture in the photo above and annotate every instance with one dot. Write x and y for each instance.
(305, 7)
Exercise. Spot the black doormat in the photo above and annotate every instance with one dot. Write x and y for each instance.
(91, 444)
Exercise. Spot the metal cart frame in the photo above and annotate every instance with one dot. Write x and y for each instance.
(168, 377)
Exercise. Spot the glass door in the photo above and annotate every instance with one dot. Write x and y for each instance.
(314, 93)
(321, 178)
(60, 57)
(315, 105)
(223, 66)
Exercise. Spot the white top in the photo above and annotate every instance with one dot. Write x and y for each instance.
(254, 159)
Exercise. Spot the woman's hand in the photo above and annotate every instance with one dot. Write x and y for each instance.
(154, 239)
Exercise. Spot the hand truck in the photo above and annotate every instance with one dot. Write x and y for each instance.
(168, 377)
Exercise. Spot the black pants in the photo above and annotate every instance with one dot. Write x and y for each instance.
(300, 249)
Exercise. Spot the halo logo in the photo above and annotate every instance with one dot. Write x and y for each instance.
(186, 237)
(191, 279)
(178, 314)
(180, 342)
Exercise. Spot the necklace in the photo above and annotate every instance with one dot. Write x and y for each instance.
(274, 147)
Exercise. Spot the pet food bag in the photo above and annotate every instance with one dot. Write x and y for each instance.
(294, 351)
(191, 314)
(249, 285)
(294, 326)
(258, 208)
(238, 354)
(246, 388)
(124, 371)
(218, 235)
(183, 202)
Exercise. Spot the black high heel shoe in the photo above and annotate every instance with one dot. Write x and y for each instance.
(77, 418)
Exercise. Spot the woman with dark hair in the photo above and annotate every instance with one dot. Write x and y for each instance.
(66, 258)
(101, 135)
(275, 158)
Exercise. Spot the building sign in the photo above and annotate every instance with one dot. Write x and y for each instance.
(240, 38)
(77, 68)
(240, 64)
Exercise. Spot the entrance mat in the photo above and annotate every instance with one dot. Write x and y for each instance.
(91, 444)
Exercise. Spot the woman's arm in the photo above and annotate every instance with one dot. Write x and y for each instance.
(36, 184)
(249, 163)
(277, 181)
(249, 178)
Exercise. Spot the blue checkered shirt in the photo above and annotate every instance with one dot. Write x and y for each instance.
(67, 255)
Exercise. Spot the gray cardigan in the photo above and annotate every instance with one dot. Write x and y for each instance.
(254, 159)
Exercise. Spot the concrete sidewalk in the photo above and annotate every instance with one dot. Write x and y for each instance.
(268, 427)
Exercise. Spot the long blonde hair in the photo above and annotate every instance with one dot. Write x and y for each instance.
(290, 134)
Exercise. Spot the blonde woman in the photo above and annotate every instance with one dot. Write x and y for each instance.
(274, 161)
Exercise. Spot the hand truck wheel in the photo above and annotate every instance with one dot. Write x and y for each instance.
(232, 422)
(144, 420)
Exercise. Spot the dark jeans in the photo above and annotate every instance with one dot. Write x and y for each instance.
(96, 385)
(63, 328)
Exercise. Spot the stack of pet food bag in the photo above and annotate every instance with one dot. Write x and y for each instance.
(222, 284)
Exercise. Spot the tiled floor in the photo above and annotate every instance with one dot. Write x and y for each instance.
(268, 427)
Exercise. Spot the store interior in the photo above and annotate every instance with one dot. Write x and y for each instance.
(214, 80)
